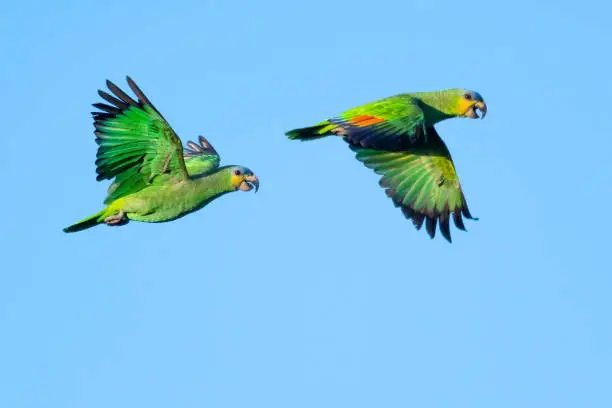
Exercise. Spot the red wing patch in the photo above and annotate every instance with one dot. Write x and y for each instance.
(365, 120)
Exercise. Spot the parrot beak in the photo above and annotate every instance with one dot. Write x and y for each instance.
(483, 108)
(480, 105)
(249, 182)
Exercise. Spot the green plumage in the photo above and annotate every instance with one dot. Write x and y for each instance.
(155, 179)
(88, 222)
(396, 138)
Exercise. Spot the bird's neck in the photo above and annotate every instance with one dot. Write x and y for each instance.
(213, 185)
(435, 106)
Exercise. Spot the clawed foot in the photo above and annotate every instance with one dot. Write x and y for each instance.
(116, 220)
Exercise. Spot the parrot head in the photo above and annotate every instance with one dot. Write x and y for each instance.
(469, 103)
(243, 178)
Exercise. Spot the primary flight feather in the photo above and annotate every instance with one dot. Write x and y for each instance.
(396, 138)
(155, 178)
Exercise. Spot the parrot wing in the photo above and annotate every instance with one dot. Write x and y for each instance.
(200, 158)
(421, 181)
(389, 124)
(136, 143)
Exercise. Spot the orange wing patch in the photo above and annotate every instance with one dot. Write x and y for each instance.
(366, 120)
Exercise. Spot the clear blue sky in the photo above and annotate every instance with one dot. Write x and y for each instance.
(315, 292)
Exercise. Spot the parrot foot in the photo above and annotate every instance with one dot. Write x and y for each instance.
(117, 219)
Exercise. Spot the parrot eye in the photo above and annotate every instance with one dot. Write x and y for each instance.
(237, 172)
(468, 97)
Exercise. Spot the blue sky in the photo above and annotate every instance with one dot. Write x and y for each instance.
(314, 292)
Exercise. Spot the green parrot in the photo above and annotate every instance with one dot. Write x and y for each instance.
(396, 138)
(155, 179)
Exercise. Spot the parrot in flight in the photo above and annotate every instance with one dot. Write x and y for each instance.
(155, 178)
(396, 138)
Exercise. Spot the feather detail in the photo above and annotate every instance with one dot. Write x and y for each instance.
(422, 181)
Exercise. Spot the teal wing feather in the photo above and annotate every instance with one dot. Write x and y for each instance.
(392, 123)
(136, 143)
(422, 181)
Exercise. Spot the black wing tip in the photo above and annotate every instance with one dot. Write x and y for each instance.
(143, 100)
(118, 104)
(443, 220)
(106, 109)
(431, 222)
(104, 94)
(466, 213)
(458, 220)
(120, 93)
(202, 146)
(132, 84)
(135, 88)
(204, 142)
(465, 210)
(430, 226)
(118, 100)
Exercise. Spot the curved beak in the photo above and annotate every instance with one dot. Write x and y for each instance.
(481, 106)
(252, 181)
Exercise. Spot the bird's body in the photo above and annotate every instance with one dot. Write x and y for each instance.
(166, 200)
(396, 137)
(155, 179)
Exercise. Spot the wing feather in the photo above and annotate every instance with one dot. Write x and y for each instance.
(422, 181)
(390, 124)
(134, 140)
(200, 157)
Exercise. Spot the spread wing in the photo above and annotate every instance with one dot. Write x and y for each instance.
(200, 158)
(421, 181)
(389, 124)
(136, 143)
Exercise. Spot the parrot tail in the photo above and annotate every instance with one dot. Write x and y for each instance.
(313, 132)
(86, 223)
